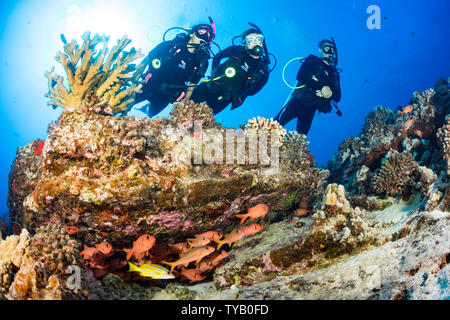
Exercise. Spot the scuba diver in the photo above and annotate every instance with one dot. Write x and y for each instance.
(243, 74)
(318, 87)
(175, 67)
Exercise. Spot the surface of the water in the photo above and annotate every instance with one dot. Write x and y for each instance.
(381, 67)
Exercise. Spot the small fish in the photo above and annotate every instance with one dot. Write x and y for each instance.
(321, 246)
(39, 148)
(153, 271)
(159, 253)
(177, 248)
(211, 261)
(300, 212)
(408, 124)
(195, 254)
(234, 236)
(251, 229)
(193, 275)
(93, 258)
(260, 210)
(106, 248)
(72, 230)
(140, 247)
(213, 235)
(198, 242)
(406, 109)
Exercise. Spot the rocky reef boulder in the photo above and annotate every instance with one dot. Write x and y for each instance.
(113, 178)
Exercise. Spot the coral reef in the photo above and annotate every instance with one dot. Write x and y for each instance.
(102, 191)
(363, 161)
(113, 177)
(98, 81)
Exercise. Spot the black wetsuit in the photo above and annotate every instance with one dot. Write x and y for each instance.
(303, 103)
(250, 77)
(177, 69)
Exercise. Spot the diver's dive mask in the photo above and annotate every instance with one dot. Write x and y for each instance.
(329, 48)
(206, 32)
(257, 41)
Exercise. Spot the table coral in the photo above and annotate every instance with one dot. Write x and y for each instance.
(98, 81)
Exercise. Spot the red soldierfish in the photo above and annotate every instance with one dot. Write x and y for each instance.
(93, 257)
(234, 236)
(260, 210)
(211, 261)
(106, 248)
(251, 229)
(141, 247)
(406, 109)
(181, 247)
(193, 275)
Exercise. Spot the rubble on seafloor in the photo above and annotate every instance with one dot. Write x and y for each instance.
(374, 224)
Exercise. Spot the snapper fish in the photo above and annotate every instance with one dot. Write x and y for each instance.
(153, 271)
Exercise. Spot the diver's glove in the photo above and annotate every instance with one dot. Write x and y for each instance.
(325, 92)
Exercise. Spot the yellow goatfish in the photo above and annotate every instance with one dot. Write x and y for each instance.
(153, 271)
(195, 254)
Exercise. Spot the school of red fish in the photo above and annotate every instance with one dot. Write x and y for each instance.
(201, 252)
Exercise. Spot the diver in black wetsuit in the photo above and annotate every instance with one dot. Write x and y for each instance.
(175, 67)
(244, 74)
(318, 85)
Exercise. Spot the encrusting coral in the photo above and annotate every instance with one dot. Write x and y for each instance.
(38, 265)
(396, 173)
(184, 113)
(98, 81)
(268, 126)
(52, 245)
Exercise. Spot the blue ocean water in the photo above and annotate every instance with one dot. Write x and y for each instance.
(380, 66)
